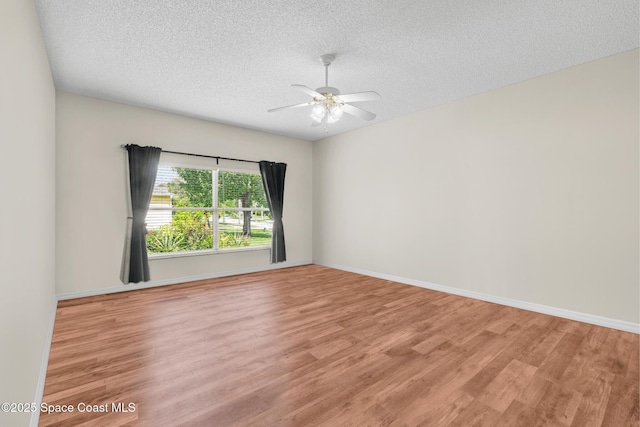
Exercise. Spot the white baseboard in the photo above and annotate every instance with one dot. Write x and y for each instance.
(538, 308)
(35, 416)
(165, 282)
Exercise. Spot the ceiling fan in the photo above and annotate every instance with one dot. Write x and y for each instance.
(328, 104)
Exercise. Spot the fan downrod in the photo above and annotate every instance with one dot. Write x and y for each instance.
(326, 60)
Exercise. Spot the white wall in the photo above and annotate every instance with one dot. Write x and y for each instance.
(90, 189)
(27, 259)
(529, 192)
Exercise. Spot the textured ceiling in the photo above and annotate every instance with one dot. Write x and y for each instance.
(231, 61)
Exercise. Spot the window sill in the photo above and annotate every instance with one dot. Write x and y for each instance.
(154, 257)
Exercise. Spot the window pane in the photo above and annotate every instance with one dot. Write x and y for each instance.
(238, 226)
(187, 231)
(240, 190)
(191, 188)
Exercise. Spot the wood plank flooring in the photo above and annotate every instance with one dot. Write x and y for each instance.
(316, 346)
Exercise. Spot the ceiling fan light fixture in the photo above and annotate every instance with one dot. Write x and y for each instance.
(336, 112)
(318, 112)
(334, 115)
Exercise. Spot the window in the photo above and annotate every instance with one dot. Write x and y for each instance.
(207, 210)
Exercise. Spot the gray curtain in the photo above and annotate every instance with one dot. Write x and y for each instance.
(143, 167)
(273, 180)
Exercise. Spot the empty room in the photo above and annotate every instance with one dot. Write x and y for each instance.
(409, 213)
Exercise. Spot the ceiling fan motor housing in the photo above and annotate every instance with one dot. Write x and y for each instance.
(325, 90)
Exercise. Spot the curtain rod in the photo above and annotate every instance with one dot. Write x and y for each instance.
(204, 155)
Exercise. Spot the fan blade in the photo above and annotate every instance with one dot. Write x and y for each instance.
(309, 91)
(358, 112)
(360, 96)
(306, 104)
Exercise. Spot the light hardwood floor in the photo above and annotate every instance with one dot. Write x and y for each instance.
(316, 346)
